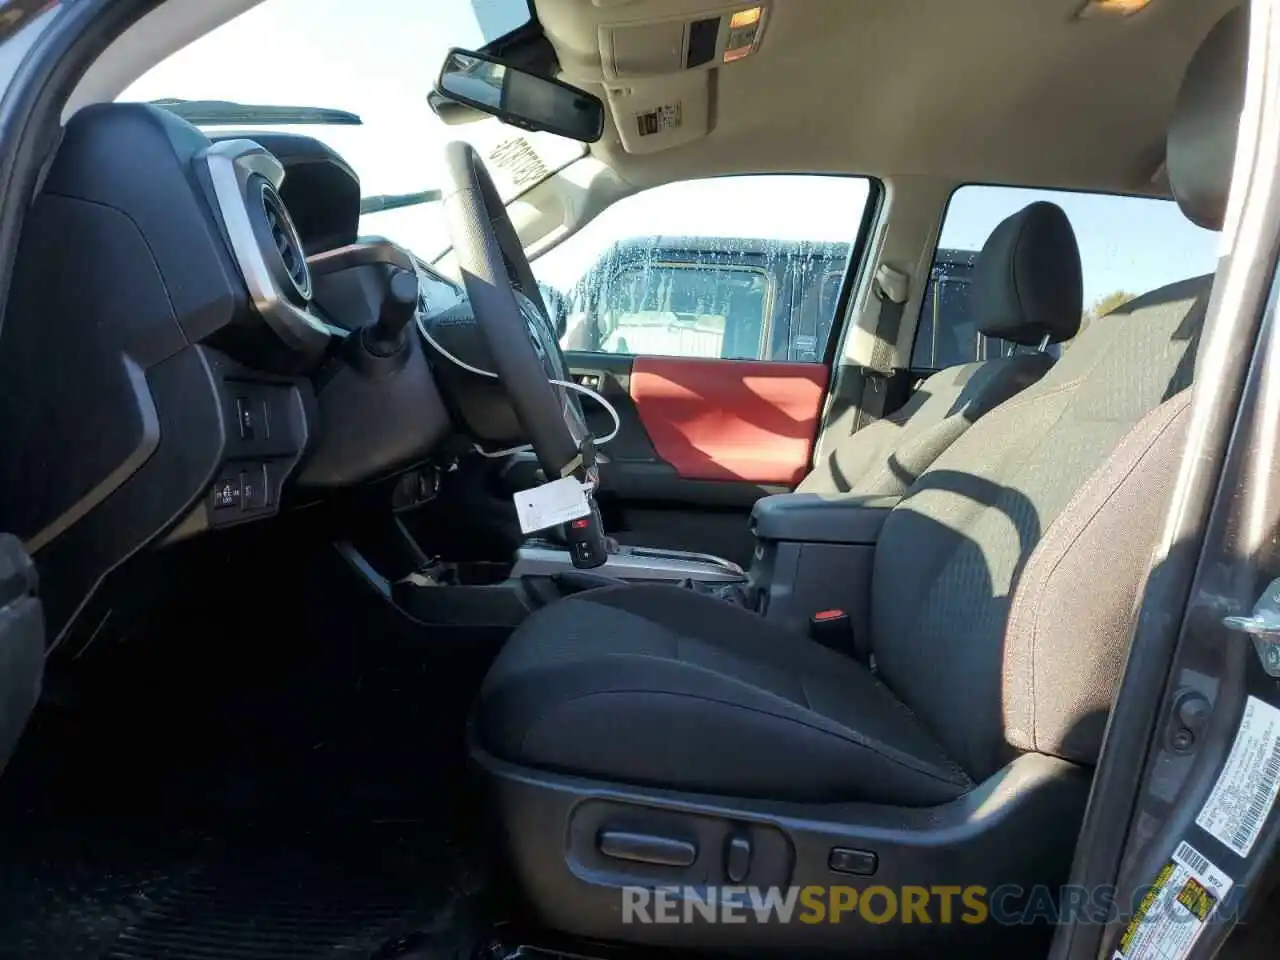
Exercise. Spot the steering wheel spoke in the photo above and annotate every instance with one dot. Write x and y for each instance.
(512, 318)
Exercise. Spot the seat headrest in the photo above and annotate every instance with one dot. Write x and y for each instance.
(1201, 145)
(1028, 284)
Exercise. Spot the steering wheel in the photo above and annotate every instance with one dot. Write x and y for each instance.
(511, 315)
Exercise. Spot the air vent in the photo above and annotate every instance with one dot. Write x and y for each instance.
(265, 243)
(288, 246)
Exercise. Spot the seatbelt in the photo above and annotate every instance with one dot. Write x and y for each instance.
(890, 288)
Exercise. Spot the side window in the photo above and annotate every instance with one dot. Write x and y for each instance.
(682, 309)
(1128, 246)
(736, 268)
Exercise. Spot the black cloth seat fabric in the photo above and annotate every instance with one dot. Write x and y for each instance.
(1002, 594)
(1027, 290)
(1001, 597)
(661, 686)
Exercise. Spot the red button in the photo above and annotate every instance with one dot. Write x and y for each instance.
(580, 524)
(828, 615)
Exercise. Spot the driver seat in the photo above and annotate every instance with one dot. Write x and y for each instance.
(647, 736)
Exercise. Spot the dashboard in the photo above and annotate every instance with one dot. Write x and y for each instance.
(181, 348)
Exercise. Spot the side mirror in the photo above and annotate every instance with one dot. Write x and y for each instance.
(557, 305)
(520, 98)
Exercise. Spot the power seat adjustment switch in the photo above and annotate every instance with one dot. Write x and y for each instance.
(857, 863)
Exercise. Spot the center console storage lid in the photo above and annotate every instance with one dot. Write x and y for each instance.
(821, 518)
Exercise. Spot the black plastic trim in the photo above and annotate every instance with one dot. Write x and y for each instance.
(43, 81)
(647, 848)
(552, 822)
(148, 441)
(21, 643)
(816, 518)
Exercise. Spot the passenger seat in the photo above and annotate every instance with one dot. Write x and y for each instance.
(1026, 289)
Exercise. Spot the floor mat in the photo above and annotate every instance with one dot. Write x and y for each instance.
(227, 901)
(242, 785)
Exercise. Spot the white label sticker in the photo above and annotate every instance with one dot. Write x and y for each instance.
(1246, 789)
(557, 502)
(1174, 912)
(662, 120)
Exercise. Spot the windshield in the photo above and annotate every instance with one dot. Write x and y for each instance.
(327, 60)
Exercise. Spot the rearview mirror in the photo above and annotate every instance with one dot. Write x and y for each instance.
(520, 98)
(451, 111)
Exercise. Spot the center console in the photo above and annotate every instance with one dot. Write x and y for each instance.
(545, 559)
(501, 595)
(815, 552)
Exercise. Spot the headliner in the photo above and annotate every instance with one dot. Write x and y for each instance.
(999, 91)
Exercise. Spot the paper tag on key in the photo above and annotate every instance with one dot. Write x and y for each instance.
(552, 503)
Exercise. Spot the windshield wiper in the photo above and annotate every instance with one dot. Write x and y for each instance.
(227, 111)
(394, 201)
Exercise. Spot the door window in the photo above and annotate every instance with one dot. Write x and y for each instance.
(736, 268)
(682, 310)
(1128, 245)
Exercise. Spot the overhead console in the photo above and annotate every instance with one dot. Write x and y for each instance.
(658, 71)
(644, 50)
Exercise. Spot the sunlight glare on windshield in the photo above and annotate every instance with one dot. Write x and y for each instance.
(377, 59)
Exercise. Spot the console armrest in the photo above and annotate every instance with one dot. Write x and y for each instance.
(820, 518)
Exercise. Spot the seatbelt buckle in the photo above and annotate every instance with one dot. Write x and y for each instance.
(834, 629)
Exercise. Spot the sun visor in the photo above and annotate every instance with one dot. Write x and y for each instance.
(663, 113)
